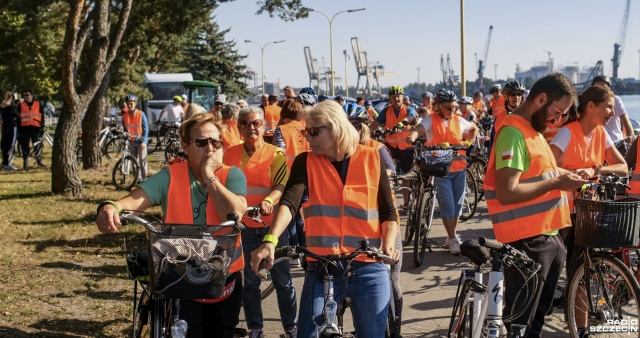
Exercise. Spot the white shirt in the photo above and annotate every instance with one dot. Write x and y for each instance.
(563, 137)
(173, 112)
(614, 127)
(426, 122)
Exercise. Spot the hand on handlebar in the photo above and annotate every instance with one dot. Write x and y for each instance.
(108, 219)
(391, 251)
(262, 258)
(266, 208)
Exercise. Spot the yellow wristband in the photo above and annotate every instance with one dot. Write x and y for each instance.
(269, 200)
(271, 239)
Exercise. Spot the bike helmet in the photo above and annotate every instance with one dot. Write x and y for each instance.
(356, 112)
(445, 95)
(495, 88)
(395, 90)
(367, 103)
(306, 99)
(132, 97)
(601, 78)
(177, 98)
(465, 100)
(513, 86)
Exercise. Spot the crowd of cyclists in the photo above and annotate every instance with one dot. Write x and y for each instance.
(321, 179)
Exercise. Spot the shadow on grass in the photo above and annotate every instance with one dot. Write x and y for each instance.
(91, 244)
(83, 219)
(25, 196)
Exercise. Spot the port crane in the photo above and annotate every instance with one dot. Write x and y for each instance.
(314, 74)
(366, 69)
(448, 77)
(481, 63)
(618, 46)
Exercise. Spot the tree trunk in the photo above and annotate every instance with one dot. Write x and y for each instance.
(64, 168)
(92, 124)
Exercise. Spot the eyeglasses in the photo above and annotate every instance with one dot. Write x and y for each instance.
(202, 142)
(313, 131)
(357, 125)
(515, 94)
(218, 103)
(256, 123)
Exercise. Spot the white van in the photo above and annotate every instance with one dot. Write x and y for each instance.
(163, 87)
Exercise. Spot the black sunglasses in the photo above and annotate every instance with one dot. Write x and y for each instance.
(357, 125)
(202, 142)
(256, 123)
(313, 131)
(218, 103)
(515, 94)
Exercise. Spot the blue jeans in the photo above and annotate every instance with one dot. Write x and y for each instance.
(368, 286)
(280, 275)
(450, 193)
(296, 231)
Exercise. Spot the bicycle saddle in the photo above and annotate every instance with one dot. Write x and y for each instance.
(474, 251)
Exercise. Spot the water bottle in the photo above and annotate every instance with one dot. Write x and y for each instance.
(331, 309)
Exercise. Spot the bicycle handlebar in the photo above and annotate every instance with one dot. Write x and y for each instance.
(610, 179)
(128, 217)
(507, 250)
(294, 252)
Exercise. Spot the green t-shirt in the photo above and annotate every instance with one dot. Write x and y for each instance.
(157, 188)
(510, 151)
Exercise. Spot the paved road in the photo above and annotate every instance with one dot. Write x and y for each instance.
(428, 290)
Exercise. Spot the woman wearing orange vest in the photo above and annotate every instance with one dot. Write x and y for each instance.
(339, 174)
(230, 133)
(198, 191)
(30, 125)
(265, 167)
(135, 123)
(442, 127)
(525, 193)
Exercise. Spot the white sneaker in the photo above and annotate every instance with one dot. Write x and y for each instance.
(448, 241)
(454, 245)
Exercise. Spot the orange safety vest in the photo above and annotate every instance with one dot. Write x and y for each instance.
(230, 134)
(338, 216)
(466, 115)
(579, 154)
(257, 170)
(272, 116)
(634, 182)
(133, 123)
(397, 140)
(179, 212)
(294, 142)
(30, 117)
(451, 135)
(545, 213)
(478, 105)
(499, 111)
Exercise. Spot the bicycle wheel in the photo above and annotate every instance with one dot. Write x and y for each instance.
(470, 201)
(266, 285)
(162, 318)
(172, 151)
(423, 228)
(461, 322)
(114, 148)
(125, 173)
(142, 316)
(410, 225)
(614, 298)
(478, 167)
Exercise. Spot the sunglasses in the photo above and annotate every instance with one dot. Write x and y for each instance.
(256, 123)
(218, 103)
(515, 94)
(357, 125)
(313, 131)
(203, 142)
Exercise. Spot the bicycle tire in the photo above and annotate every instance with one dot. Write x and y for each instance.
(172, 150)
(421, 242)
(142, 316)
(410, 225)
(478, 167)
(470, 201)
(162, 318)
(460, 321)
(266, 286)
(620, 301)
(114, 148)
(125, 180)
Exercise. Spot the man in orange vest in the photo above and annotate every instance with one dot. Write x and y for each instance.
(272, 113)
(135, 123)
(265, 167)
(30, 125)
(525, 193)
(199, 191)
(427, 97)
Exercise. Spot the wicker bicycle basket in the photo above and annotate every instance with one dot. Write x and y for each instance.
(607, 224)
(190, 262)
(435, 162)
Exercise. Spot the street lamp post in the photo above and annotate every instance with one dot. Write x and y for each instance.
(333, 92)
(262, 55)
(346, 79)
(495, 70)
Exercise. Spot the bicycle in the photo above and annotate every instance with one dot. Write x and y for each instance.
(332, 314)
(166, 132)
(471, 196)
(601, 291)
(126, 170)
(478, 307)
(35, 151)
(166, 275)
(109, 144)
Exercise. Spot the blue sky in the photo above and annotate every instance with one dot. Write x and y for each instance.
(405, 35)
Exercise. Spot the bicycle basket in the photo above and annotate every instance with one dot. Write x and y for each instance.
(191, 262)
(608, 224)
(435, 162)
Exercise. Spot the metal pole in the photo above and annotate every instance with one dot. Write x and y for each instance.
(346, 80)
(463, 85)
(262, 55)
(418, 78)
(495, 69)
(262, 58)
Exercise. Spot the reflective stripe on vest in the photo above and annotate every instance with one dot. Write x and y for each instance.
(545, 213)
(30, 117)
(271, 116)
(399, 139)
(294, 142)
(258, 173)
(180, 206)
(230, 135)
(133, 123)
(338, 216)
(452, 135)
